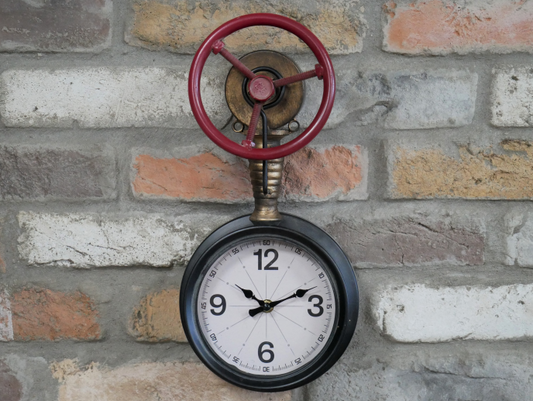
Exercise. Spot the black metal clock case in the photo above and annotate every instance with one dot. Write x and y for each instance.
(312, 239)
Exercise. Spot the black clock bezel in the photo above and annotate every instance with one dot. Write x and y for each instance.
(310, 237)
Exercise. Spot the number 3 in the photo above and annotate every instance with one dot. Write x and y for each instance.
(317, 305)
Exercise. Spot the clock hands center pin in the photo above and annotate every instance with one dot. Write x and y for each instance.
(268, 305)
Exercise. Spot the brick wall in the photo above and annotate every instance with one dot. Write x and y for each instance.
(423, 175)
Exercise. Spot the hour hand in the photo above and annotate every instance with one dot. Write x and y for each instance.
(250, 295)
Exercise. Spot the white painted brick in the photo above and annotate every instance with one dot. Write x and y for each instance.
(105, 97)
(519, 240)
(89, 240)
(6, 319)
(512, 97)
(418, 313)
(399, 100)
(432, 100)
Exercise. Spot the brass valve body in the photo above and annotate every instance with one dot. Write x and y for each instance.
(278, 115)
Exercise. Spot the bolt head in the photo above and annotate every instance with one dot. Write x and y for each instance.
(261, 88)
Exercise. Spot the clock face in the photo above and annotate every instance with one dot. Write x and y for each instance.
(267, 306)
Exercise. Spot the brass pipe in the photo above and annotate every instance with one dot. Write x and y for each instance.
(266, 205)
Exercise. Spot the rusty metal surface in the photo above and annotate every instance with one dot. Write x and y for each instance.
(288, 107)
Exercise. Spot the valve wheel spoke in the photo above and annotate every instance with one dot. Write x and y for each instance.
(254, 120)
(317, 72)
(219, 47)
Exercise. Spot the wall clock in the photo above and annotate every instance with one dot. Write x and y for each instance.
(269, 301)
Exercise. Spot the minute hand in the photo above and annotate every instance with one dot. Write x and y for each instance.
(269, 306)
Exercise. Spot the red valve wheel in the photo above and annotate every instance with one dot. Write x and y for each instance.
(261, 86)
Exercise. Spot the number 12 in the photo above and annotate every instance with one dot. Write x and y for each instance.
(269, 266)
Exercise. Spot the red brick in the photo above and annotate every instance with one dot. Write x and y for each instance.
(55, 26)
(309, 175)
(442, 27)
(42, 314)
(201, 177)
(339, 171)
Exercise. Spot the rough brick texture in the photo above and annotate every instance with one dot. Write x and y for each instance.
(3, 268)
(311, 174)
(455, 313)
(104, 97)
(407, 241)
(55, 26)
(422, 174)
(488, 172)
(519, 228)
(6, 318)
(401, 99)
(56, 173)
(512, 103)
(9, 385)
(443, 26)
(157, 318)
(41, 314)
(147, 381)
(157, 97)
(440, 376)
(90, 240)
(202, 177)
(175, 25)
(35, 381)
(318, 173)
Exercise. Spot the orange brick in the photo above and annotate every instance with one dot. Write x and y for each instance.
(145, 381)
(442, 27)
(478, 173)
(157, 318)
(42, 314)
(177, 25)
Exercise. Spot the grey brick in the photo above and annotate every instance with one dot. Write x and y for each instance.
(407, 241)
(38, 173)
(55, 26)
(458, 375)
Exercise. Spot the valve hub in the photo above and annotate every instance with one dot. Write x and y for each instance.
(261, 88)
(280, 107)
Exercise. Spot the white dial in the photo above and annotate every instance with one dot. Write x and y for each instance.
(267, 306)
